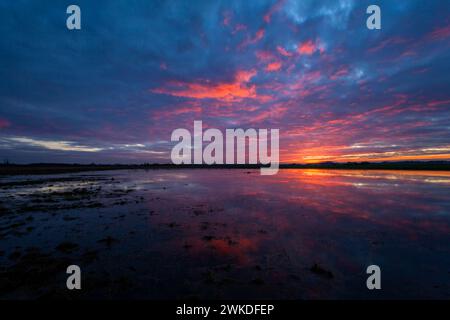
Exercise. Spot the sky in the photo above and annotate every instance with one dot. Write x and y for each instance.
(114, 91)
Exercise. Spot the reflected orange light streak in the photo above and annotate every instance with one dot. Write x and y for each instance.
(317, 157)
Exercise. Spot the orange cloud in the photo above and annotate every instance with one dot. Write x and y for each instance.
(236, 90)
(307, 48)
(346, 153)
(274, 66)
(382, 156)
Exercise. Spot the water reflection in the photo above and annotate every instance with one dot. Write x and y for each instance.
(342, 220)
(237, 234)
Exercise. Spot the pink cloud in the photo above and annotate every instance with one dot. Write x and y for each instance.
(440, 33)
(4, 123)
(277, 6)
(226, 18)
(387, 43)
(275, 112)
(239, 27)
(342, 72)
(187, 109)
(258, 36)
(264, 55)
(438, 103)
(284, 52)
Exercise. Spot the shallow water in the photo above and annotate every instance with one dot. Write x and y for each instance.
(199, 233)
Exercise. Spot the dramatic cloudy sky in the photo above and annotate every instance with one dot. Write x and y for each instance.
(115, 90)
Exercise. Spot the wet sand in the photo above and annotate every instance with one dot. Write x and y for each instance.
(226, 234)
